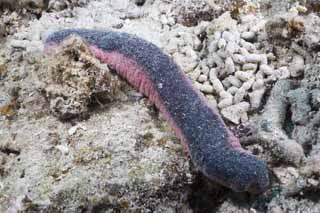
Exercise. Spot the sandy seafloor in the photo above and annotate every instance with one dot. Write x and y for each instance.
(75, 140)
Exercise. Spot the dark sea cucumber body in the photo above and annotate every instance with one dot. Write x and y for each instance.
(212, 147)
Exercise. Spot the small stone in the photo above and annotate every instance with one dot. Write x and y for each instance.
(249, 66)
(248, 84)
(234, 81)
(248, 36)
(217, 35)
(244, 76)
(271, 57)
(232, 90)
(259, 75)
(235, 112)
(293, 172)
(226, 83)
(197, 85)
(264, 59)
(252, 58)
(229, 66)
(313, 182)
(312, 165)
(301, 9)
(73, 130)
(195, 74)
(258, 84)
(206, 88)
(225, 103)
(290, 151)
(266, 69)
(296, 67)
(315, 98)
(213, 74)
(239, 96)
(202, 78)
(244, 51)
(216, 59)
(64, 149)
(212, 102)
(239, 59)
(222, 53)
(217, 86)
(282, 73)
(19, 44)
(232, 47)
(225, 95)
(228, 36)
(256, 97)
(163, 19)
(222, 43)
(213, 46)
(248, 46)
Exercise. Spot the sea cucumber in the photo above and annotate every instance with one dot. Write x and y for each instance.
(214, 150)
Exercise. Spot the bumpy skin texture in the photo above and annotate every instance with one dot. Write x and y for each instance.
(212, 147)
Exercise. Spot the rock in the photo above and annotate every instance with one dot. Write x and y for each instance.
(315, 98)
(225, 82)
(264, 59)
(249, 66)
(271, 57)
(253, 58)
(239, 95)
(229, 65)
(296, 67)
(258, 84)
(213, 74)
(249, 36)
(232, 90)
(256, 97)
(235, 112)
(239, 59)
(225, 103)
(312, 165)
(202, 78)
(139, 2)
(290, 151)
(222, 43)
(195, 74)
(234, 81)
(311, 78)
(281, 73)
(225, 95)
(244, 76)
(217, 86)
(69, 97)
(216, 59)
(206, 88)
(244, 52)
(57, 5)
(248, 84)
(266, 69)
(213, 46)
(248, 46)
(228, 36)
(232, 48)
(299, 100)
